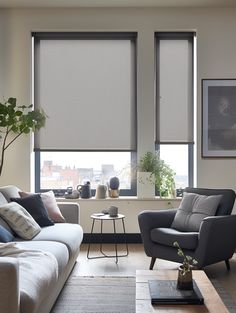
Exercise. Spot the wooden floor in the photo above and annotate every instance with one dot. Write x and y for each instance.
(137, 259)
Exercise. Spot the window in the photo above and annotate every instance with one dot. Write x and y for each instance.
(59, 170)
(87, 82)
(177, 157)
(175, 103)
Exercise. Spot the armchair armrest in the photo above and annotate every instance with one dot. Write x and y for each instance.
(217, 239)
(9, 285)
(70, 211)
(153, 219)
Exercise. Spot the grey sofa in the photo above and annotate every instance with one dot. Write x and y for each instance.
(215, 241)
(19, 291)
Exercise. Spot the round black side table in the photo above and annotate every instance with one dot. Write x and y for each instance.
(102, 218)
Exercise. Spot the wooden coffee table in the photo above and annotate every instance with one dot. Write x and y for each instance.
(212, 301)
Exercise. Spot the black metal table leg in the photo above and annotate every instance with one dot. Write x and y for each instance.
(115, 239)
(90, 239)
(126, 244)
(103, 254)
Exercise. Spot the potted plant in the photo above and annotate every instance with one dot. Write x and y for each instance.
(165, 179)
(185, 279)
(15, 121)
(146, 171)
(153, 171)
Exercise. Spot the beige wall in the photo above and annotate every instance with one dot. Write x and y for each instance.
(216, 51)
(129, 207)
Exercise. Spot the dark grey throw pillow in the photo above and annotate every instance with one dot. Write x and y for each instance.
(193, 209)
(34, 205)
(5, 235)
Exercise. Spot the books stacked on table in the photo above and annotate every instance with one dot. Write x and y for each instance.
(166, 292)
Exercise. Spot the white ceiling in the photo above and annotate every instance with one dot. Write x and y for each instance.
(115, 3)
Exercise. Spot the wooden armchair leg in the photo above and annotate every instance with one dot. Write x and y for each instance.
(227, 264)
(153, 260)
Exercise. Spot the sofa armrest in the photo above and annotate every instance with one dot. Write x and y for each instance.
(9, 285)
(217, 239)
(70, 211)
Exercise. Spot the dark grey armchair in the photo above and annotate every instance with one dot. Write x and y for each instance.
(215, 241)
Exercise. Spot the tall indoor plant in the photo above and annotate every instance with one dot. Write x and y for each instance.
(15, 121)
(152, 172)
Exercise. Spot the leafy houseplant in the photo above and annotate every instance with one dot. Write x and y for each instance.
(161, 173)
(185, 280)
(146, 169)
(15, 121)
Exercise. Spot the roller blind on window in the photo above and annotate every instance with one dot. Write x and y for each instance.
(174, 114)
(87, 88)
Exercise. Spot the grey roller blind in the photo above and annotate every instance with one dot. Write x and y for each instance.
(87, 88)
(174, 113)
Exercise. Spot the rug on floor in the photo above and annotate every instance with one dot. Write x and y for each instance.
(101, 294)
(226, 298)
(104, 294)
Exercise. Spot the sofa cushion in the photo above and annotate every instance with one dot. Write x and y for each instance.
(193, 209)
(9, 192)
(34, 205)
(167, 236)
(38, 275)
(50, 204)
(59, 250)
(5, 235)
(3, 200)
(19, 220)
(5, 225)
(69, 234)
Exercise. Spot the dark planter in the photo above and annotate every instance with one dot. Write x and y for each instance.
(185, 279)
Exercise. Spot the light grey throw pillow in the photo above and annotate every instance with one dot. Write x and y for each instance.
(193, 209)
(19, 220)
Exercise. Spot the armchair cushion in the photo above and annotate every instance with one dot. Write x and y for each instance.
(167, 236)
(193, 209)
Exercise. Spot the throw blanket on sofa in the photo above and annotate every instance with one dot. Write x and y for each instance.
(38, 272)
(14, 250)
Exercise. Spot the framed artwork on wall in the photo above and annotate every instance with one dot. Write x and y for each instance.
(218, 117)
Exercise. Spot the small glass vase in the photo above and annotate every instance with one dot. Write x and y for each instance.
(185, 279)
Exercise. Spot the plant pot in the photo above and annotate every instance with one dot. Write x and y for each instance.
(145, 185)
(114, 193)
(185, 279)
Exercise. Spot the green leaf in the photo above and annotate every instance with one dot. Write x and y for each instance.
(12, 101)
(18, 113)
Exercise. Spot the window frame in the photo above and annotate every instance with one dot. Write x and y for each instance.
(176, 35)
(95, 36)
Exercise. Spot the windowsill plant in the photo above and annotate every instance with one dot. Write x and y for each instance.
(160, 174)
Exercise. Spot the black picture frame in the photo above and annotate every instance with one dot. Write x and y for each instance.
(219, 118)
